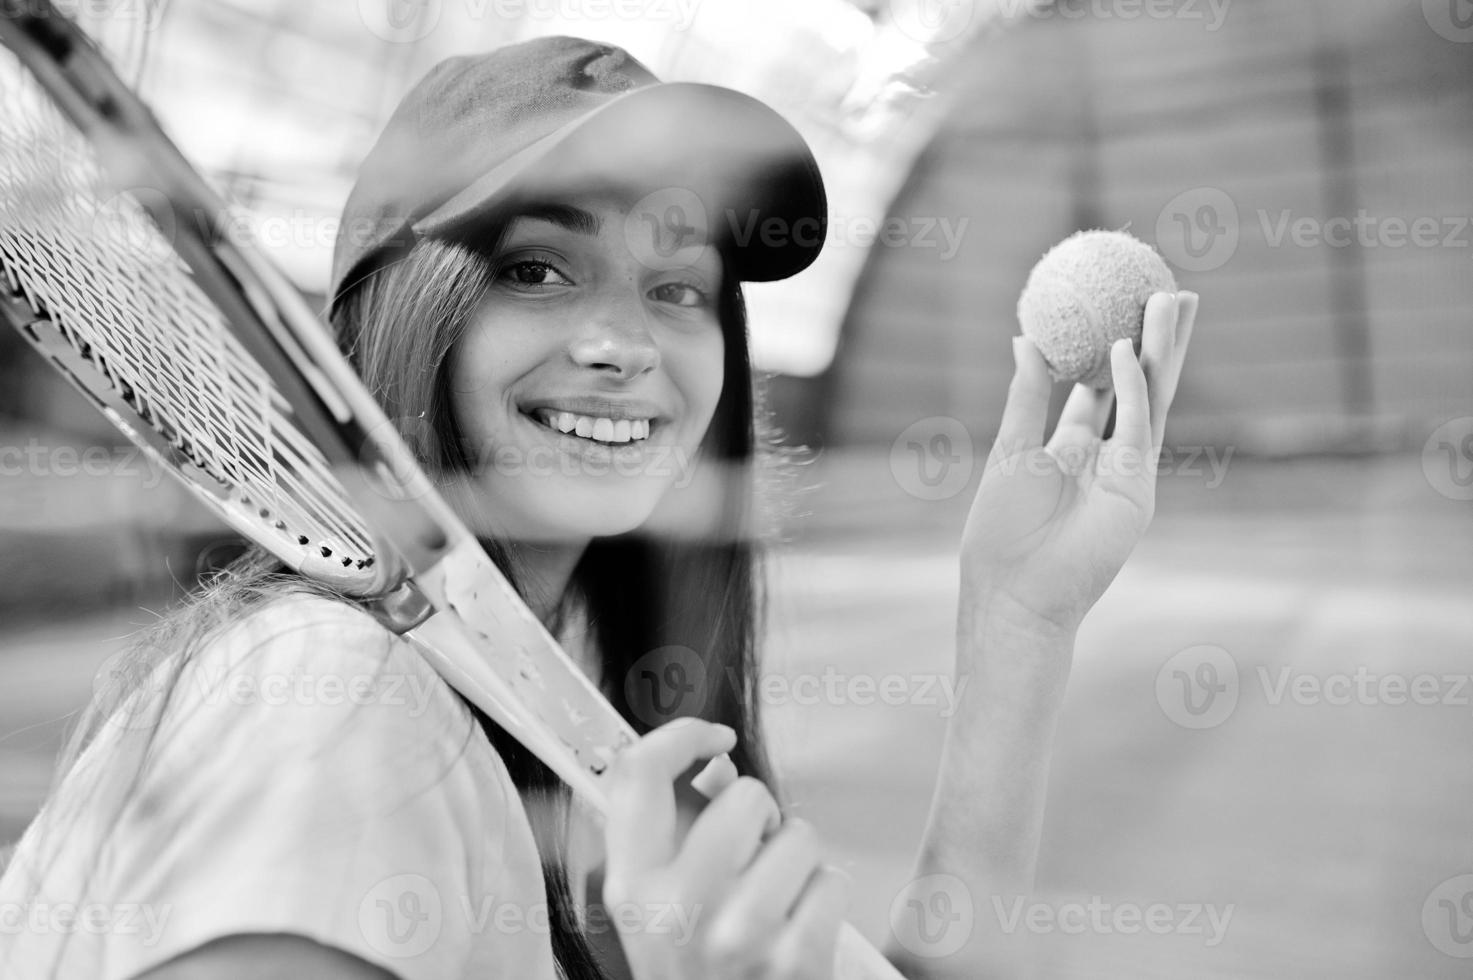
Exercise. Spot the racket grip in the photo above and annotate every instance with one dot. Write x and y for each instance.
(854, 957)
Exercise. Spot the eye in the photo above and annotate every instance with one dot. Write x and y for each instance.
(681, 294)
(531, 273)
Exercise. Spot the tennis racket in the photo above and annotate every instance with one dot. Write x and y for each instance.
(120, 265)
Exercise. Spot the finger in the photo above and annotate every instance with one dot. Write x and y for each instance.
(1158, 338)
(1186, 317)
(719, 773)
(1087, 407)
(727, 834)
(1026, 412)
(811, 936)
(1186, 320)
(771, 886)
(1163, 393)
(1163, 396)
(640, 833)
(1132, 417)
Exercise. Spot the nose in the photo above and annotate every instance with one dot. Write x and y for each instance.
(617, 339)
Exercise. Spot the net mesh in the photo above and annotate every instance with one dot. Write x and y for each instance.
(85, 256)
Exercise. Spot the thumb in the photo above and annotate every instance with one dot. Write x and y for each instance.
(1026, 413)
(640, 833)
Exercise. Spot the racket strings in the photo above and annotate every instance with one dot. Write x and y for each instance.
(91, 261)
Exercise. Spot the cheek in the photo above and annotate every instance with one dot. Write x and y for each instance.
(477, 383)
(706, 372)
(482, 366)
(466, 379)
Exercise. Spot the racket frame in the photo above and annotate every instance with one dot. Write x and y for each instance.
(434, 582)
(428, 563)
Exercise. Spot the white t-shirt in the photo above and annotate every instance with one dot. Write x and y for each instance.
(311, 774)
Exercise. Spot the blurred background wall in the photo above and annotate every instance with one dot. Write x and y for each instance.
(1306, 166)
(1215, 144)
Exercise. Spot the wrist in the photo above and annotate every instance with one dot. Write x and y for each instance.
(1016, 666)
(991, 615)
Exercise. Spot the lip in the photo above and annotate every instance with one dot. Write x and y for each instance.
(608, 408)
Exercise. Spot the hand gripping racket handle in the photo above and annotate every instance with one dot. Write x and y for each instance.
(490, 647)
(429, 573)
(854, 956)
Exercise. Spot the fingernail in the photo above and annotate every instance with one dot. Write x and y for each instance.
(718, 774)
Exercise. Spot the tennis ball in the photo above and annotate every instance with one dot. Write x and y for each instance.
(1087, 292)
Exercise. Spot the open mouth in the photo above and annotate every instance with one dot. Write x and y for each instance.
(600, 431)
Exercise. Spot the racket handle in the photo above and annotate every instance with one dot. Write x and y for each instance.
(854, 957)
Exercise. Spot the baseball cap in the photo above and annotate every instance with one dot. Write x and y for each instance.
(535, 120)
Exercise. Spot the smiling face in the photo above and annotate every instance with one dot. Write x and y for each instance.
(588, 377)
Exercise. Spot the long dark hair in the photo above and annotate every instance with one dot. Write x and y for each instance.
(644, 595)
(698, 594)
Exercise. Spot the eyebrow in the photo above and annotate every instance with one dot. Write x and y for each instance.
(564, 216)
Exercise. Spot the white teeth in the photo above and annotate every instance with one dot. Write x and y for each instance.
(600, 429)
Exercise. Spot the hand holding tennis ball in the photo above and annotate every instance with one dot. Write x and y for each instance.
(1057, 514)
(1089, 291)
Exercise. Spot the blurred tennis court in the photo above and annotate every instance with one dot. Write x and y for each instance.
(1263, 763)
(1322, 827)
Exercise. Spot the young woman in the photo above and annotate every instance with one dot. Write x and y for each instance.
(539, 275)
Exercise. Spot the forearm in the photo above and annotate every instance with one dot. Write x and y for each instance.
(986, 816)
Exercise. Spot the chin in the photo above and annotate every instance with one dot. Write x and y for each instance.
(580, 513)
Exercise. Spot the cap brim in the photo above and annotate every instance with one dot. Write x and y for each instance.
(691, 144)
